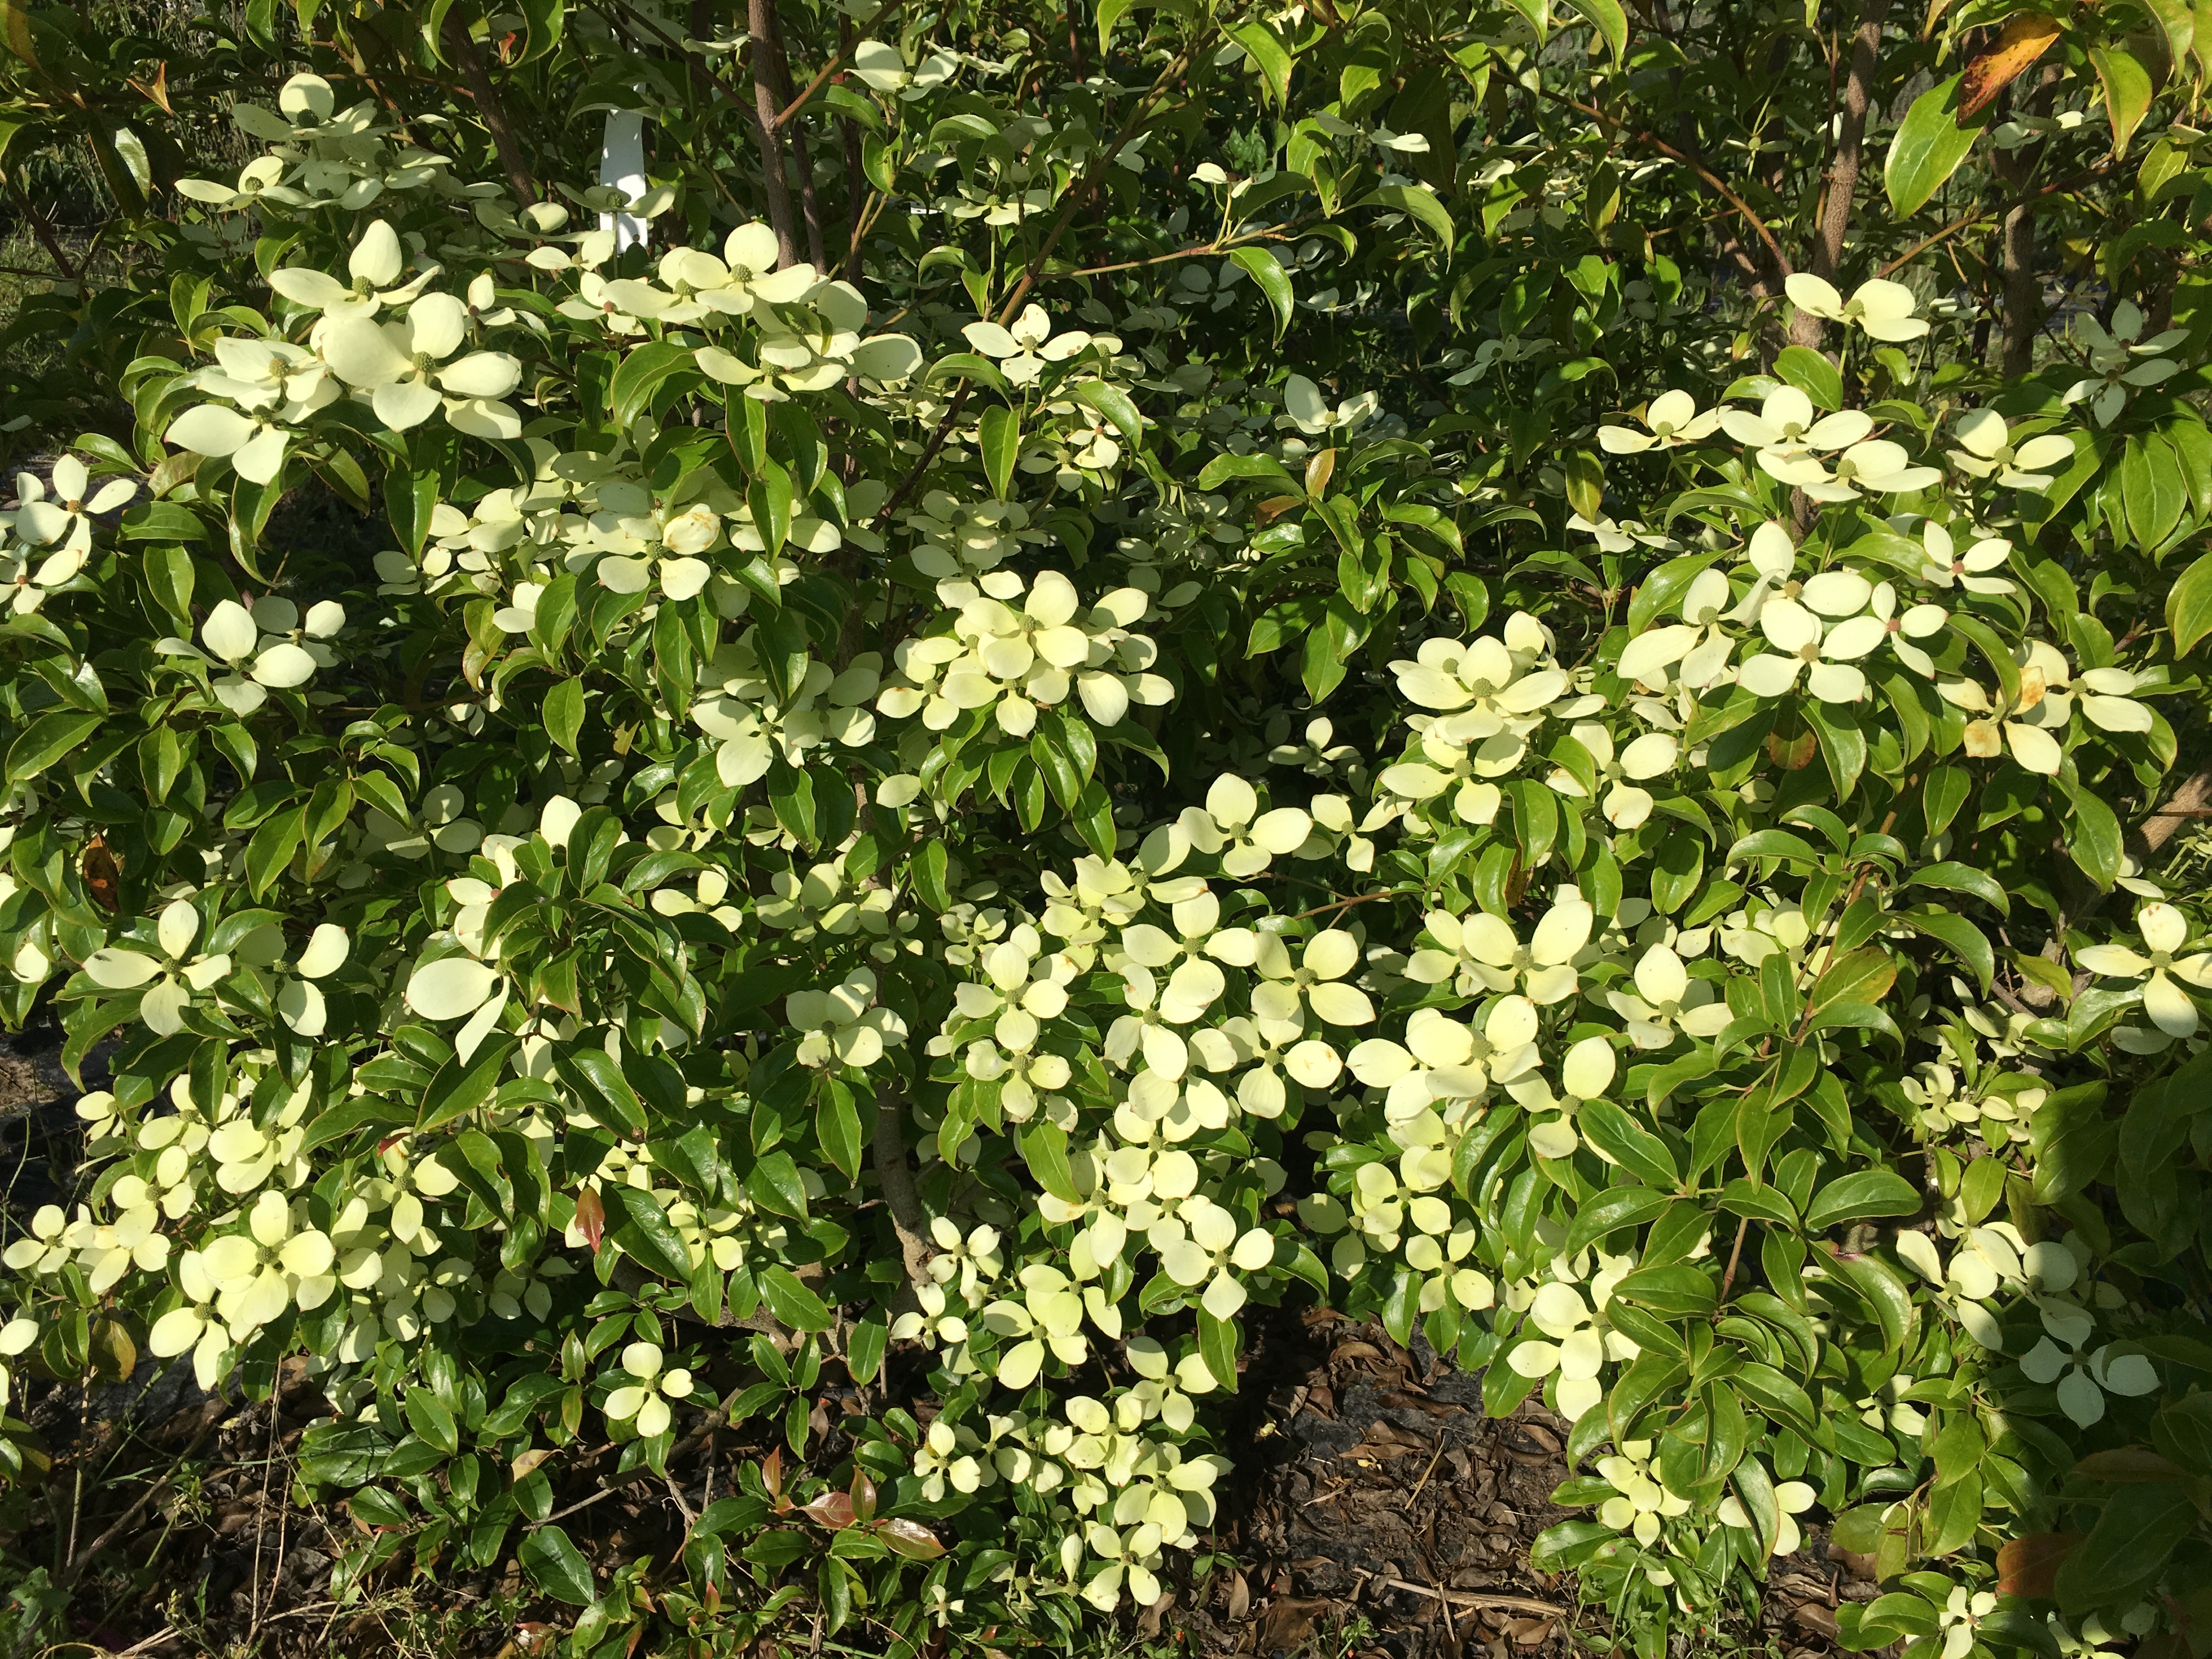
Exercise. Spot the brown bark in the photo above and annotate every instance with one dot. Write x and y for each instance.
(703, 24)
(2023, 288)
(1827, 254)
(469, 58)
(760, 25)
(809, 204)
(855, 179)
(908, 1220)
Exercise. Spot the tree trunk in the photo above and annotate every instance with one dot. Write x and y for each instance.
(1828, 255)
(2023, 288)
(760, 25)
(810, 205)
(469, 58)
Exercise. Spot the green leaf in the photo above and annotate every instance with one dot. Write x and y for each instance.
(1952, 877)
(1421, 204)
(2139, 1529)
(1859, 1195)
(46, 739)
(557, 1567)
(638, 1222)
(640, 376)
(1114, 403)
(1928, 149)
(1961, 938)
(1611, 22)
(460, 1086)
(1629, 1144)
(1044, 1149)
(564, 712)
(1217, 1345)
(1267, 56)
(790, 1302)
(1000, 442)
(2127, 90)
(2188, 606)
(1611, 1211)
(1261, 265)
(1812, 373)
(607, 1093)
(427, 1416)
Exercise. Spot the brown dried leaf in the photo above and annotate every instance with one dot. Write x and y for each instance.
(2026, 38)
(2029, 1565)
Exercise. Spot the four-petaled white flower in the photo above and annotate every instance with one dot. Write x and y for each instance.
(1787, 426)
(1823, 652)
(1028, 346)
(2165, 932)
(1882, 308)
(1990, 452)
(1946, 565)
(1204, 1248)
(1675, 420)
(646, 1399)
(2112, 354)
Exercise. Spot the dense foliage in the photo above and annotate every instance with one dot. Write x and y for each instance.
(1045, 675)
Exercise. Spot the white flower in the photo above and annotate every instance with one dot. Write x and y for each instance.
(1310, 413)
(1791, 1499)
(1483, 950)
(1642, 1504)
(1697, 642)
(1945, 565)
(1883, 309)
(2113, 371)
(275, 1263)
(1786, 425)
(880, 65)
(2165, 931)
(1989, 450)
(372, 267)
(2083, 1381)
(842, 1025)
(1822, 651)
(1877, 466)
(1208, 1250)
(1024, 349)
(1674, 421)
(1651, 756)
(1667, 1000)
(171, 978)
(647, 1399)
(403, 366)
(1584, 1342)
(1961, 1612)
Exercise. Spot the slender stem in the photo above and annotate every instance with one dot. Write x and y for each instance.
(908, 1220)
(1735, 1257)
(1964, 220)
(42, 231)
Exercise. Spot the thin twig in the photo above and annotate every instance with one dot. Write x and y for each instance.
(129, 1516)
(42, 230)
(1969, 219)
(1638, 136)
(1525, 1604)
(790, 112)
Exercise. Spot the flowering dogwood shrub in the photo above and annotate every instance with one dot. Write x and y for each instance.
(794, 842)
